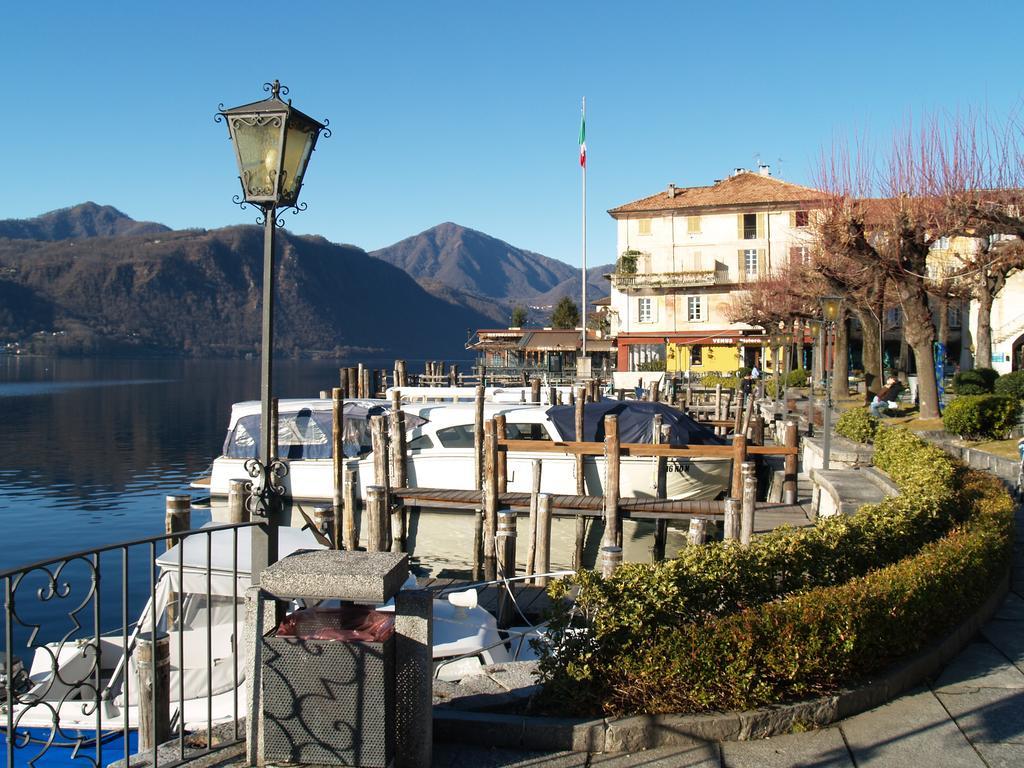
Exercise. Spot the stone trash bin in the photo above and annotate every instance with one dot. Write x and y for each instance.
(348, 685)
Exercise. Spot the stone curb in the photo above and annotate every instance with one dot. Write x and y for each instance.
(627, 734)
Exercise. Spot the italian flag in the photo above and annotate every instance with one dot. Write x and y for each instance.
(583, 141)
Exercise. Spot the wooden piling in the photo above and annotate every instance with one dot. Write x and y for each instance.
(792, 439)
(379, 446)
(238, 492)
(506, 548)
(177, 517)
(612, 456)
(478, 473)
(535, 390)
(398, 470)
(737, 424)
(655, 391)
(338, 455)
(698, 532)
(361, 381)
(731, 529)
(749, 502)
(660, 434)
(323, 516)
(502, 456)
(153, 689)
(376, 517)
(531, 541)
(739, 455)
(349, 528)
(343, 382)
(543, 546)
(718, 407)
(490, 498)
(757, 431)
(611, 559)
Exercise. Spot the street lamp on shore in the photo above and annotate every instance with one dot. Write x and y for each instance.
(831, 308)
(273, 142)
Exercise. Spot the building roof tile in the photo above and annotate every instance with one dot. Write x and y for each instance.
(744, 188)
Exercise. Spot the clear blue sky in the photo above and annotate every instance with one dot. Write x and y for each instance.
(469, 111)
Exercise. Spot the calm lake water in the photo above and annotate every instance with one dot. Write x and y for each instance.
(90, 448)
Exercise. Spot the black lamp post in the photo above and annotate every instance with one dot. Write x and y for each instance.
(831, 307)
(273, 142)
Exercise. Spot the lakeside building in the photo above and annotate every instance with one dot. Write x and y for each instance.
(551, 354)
(684, 252)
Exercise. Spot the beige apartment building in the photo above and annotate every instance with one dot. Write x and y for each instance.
(684, 252)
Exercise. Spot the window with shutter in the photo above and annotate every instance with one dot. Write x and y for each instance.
(750, 263)
(751, 226)
(762, 226)
(695, 309)
(643, 226)
(693, 225)
(645, 310)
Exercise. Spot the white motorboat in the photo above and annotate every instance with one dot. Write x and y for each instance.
(59, 685)
(440, 452)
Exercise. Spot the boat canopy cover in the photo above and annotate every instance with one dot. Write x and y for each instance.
(305, 433)
(636, 423)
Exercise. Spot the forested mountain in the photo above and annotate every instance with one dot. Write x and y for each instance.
(198, 292)
(85, 220)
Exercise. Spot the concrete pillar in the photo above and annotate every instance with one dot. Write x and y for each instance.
(414, 716)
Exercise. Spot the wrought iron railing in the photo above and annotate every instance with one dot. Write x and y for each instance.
(79, 617)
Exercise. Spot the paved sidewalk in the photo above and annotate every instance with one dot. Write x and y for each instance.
(971, 715)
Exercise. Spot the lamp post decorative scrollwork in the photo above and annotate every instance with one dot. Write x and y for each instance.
(273, 142)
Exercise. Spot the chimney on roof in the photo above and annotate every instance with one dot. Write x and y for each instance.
(738, 171)
(671, 190)
(764, 170)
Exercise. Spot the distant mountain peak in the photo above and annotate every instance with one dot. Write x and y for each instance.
(86, 219)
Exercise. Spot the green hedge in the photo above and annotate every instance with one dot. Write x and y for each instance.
(979, 381)
(981, 416)
(1010, 384)
(727, 380)
(858, 425)
(797, 612)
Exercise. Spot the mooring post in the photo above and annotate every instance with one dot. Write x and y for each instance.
(748, 414)
(731, 529)
(543, 538)
(611, 559)
(323, 516)
(718, 408)
(534, 390)
(531, 541)
(478, 472)
(177, 517)
(749, 502)
(506, 546)
(612, 456)
(343, 382)
(153, 678)
(697, 533)
(737, 425)
(490, 499)
(502, 455)
(338, 455)
(238, 492)
(350, 530)
(661, 433)
(398, 476)
(360, 381)
(739, 455)
(376, 519)
(655, 391)
(757, 432)
(792, 440)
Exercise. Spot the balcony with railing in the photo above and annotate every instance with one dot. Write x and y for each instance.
(627, 281)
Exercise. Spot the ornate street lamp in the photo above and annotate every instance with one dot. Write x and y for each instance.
(273, 142)
(831, 308)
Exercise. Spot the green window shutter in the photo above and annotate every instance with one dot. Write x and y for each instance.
(761, 225)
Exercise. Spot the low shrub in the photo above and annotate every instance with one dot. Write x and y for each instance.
(989, 375)
(797, 612)
(727, 380)
(973, 382)
(1010, 384)
(981, 416)
(797, 378)
(857, 425)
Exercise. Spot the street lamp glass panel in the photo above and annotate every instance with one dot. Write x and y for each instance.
(298, 146)
(830, 306)
(258, 140)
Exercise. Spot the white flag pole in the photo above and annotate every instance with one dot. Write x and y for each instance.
(583, 309)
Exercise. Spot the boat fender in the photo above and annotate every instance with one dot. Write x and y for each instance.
(463, 601)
